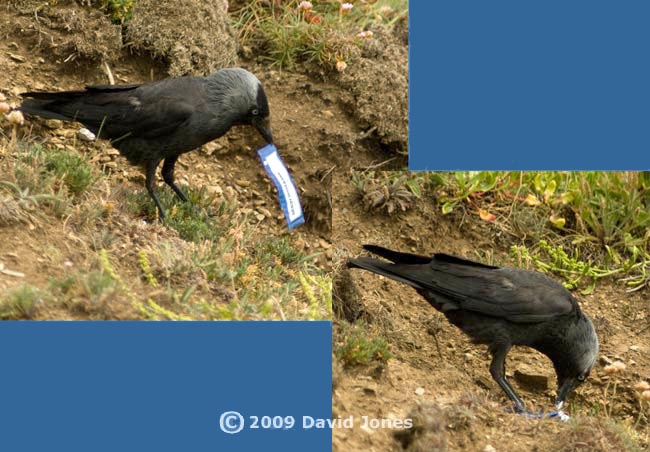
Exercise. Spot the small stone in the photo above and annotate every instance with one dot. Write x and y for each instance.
(243, 183)
(328, 113)
(419, 391)
(18, 58)
(85, 135)
(634, 348)
(489, 448)
(16, 118)
(4, 107)
(215, 190)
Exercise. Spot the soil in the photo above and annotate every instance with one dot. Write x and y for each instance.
(438, 376)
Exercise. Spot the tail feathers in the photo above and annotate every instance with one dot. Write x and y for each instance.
(40, 108)
(382, 268)
(61, 95)
(396, 256)
(110, 88)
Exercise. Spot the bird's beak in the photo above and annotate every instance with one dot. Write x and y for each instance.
(263, 126)
(565, 389)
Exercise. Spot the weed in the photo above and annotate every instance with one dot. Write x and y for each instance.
(75, 172)
(20, 303)
(324, 33)
(198, 220)
(143, 260)
(318, 290)
(360, 347)
(118, 10)
(388, 191)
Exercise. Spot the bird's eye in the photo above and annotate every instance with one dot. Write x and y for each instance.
(581, 378)
(255, 112)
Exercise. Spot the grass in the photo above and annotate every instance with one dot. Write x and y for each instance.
(603, 218)
(20, 303)
(324, 35)
(207, 261)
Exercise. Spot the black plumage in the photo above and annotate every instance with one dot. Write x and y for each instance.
(159, 121)
(500, 307)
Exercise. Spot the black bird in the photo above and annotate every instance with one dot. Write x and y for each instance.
(157, 121)
(500, 307)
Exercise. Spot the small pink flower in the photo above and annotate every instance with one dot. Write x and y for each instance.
(346, 8)
(307, 6)
(365, 34)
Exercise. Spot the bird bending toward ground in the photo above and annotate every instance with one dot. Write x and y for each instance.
(500, 307)
(159, 121)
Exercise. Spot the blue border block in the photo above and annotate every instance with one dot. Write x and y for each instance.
(161, 386)
(512, 85)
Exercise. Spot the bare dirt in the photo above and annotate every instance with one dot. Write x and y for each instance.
(66, 45)
(437, 376)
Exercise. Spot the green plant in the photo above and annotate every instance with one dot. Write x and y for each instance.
(20, 303)
(359, 347)
(118, 10)
(323, 33)
(389, 191)
(75, 172)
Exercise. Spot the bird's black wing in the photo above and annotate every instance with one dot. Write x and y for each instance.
(513, 294)
(118, 112)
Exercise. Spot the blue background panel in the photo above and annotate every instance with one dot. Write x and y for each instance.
(137, 386)
(512, 85)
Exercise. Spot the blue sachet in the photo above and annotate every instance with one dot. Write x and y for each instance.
(279, 174)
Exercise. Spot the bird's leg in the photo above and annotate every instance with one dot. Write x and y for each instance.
(498, 372)
(150, 174)
(168, 176)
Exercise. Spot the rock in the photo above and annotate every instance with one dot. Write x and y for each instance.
(17, 58)
(215, 190)
(531, 380)
(420, 391)
(85, 135)
(489, 448)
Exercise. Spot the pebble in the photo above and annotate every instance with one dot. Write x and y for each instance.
(18, 58)
(419, 391)
(85, 135)
(215, 190)
(489, 448)
(243, 183)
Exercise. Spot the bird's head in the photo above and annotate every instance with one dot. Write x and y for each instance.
(577, 358)
(243, 100)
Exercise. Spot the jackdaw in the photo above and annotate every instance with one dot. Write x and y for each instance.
(500, 307)
(157, 121)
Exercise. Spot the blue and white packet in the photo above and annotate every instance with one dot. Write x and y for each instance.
(560, 415)
(279, 174)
